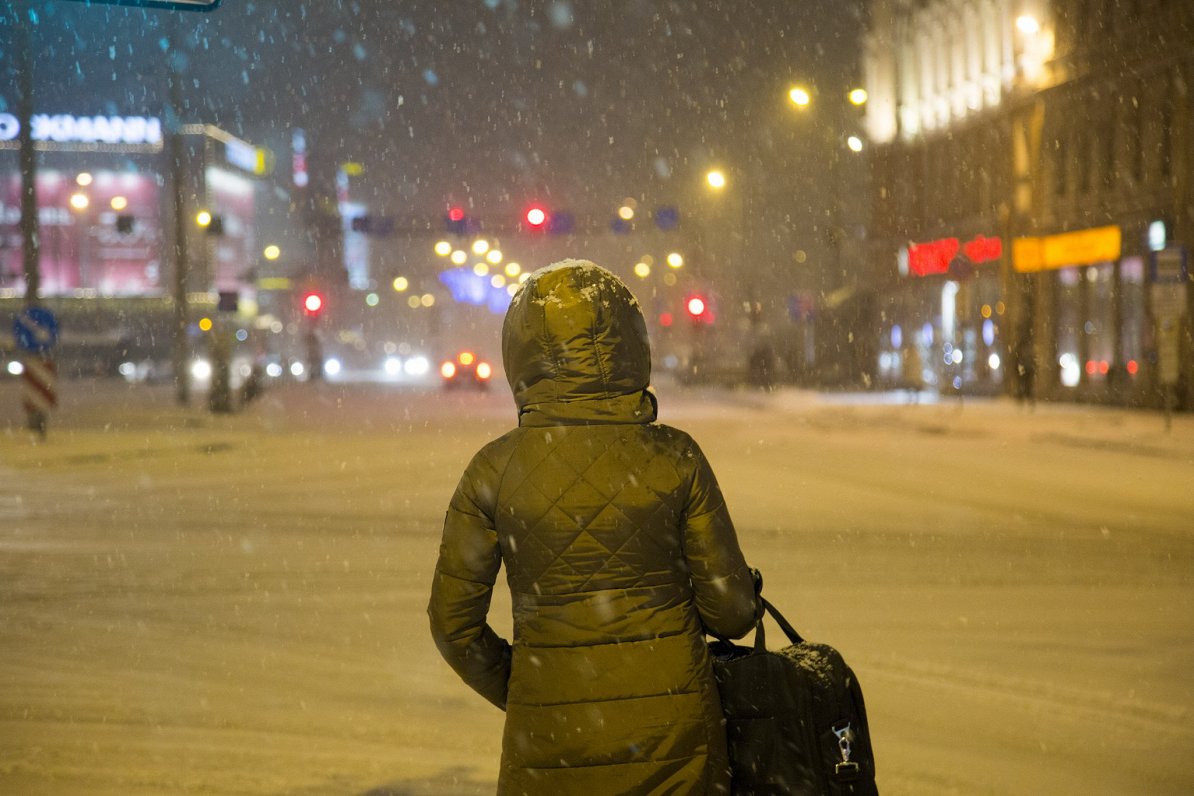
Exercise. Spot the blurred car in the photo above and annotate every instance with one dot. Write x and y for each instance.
(466, 370)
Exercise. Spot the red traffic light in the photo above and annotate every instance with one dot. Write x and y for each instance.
(696, 306)
(312, 304)
(456, 214)
(536, 216)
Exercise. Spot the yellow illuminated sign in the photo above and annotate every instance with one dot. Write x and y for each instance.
(1028, 254)
(1084, 247)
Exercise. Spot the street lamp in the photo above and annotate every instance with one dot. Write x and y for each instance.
(716, 179)
(799, 96)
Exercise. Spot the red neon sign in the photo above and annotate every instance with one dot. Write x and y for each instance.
(936, 256)
(933, 257)
(983, 249)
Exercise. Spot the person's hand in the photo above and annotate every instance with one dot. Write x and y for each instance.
(760, 608)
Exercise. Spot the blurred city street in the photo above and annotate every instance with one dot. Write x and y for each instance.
(234, 604)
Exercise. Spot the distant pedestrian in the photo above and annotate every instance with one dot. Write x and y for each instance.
(1026, 372)
(913, 376)
(619, 555)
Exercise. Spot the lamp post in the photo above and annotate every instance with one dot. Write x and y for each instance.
(835, 281)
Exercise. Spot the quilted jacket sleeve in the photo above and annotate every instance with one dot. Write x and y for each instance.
(722, 583)
(469, 560)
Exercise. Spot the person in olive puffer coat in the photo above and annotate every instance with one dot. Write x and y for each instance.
(619, 554)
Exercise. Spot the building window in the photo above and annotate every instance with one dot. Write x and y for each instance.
(1131, 285)
(1069, 325)
(1098, 326)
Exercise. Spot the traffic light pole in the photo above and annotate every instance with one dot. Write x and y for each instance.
(30, 252)
(181, 351)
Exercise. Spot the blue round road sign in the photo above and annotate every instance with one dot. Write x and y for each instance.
(35, 329)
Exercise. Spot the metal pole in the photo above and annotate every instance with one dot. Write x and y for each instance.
(176, 154)
(30, 227)
(40, 370)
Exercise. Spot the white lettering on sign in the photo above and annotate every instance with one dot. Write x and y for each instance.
(46, 216)
(65, 128)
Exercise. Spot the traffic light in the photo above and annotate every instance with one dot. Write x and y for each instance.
(536, 216)
(380, 226)
(697, 307)
(313, 304)
(456, 222)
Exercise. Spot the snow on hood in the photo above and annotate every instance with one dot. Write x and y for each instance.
(574, 332)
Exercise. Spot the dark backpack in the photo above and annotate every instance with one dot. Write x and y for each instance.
(795, 719)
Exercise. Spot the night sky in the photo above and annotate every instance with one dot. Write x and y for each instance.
(488, 103)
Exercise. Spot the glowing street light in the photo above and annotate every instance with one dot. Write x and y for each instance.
(119, 203)
(716, 179)
(79, 201)
(1028, 24)
(855, 143)
(799, 96)
(443, 248)
(272, 252)
(857, 96)
(203, 218)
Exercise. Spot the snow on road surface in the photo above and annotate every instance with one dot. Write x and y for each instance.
(235, 604)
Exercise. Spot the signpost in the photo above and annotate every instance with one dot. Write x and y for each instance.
(1169, 272)
(35, 330)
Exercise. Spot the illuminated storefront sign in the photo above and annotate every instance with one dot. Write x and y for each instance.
(231, 253)
(937, 256)
(64, 128)
(87, 248)
(1084, 247)
(983, 249)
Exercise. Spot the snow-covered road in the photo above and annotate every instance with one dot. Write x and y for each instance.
(235, 605)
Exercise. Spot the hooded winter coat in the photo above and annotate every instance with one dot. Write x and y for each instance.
(619, 555)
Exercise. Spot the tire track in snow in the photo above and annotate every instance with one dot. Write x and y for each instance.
(1035, 694)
